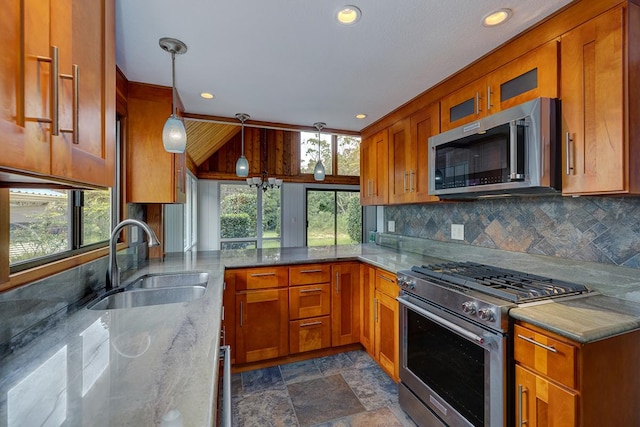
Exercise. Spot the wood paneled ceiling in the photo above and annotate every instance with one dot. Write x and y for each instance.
(205, 138)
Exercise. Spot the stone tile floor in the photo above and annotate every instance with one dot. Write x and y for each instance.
(345, 390)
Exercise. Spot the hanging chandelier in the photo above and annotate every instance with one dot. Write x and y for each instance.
(264, 182)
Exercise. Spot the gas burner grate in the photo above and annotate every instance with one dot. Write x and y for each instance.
(502, 283)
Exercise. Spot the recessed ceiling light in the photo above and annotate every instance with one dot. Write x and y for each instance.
(361, 116)
(206, 95)
(348, 15)
(497, 17)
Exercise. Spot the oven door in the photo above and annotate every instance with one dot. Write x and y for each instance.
(454, 367)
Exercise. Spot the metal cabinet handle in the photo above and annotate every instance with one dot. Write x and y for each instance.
(478, 98)
(568, 143)
(310, 290)
(53, 87)
(386, 278)
(412, 186)
(262, 274)
(337, 283)
(375, 310)
(405, 181)
(489, 98)
(75, 113)
(318, 270)
(532, 341)
(521, 391)
(302, 325)
(241, 313)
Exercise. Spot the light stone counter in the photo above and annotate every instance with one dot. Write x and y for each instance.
(130, 367)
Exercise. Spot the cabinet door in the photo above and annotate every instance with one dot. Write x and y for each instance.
(262, 325)
(367, 295)
(25, 86)
(464, 105)
(533, 75)
(345, 304)
(592, 82)
(386, 341)
(424, 124)
(84, 151)
(310, 334)
(400, 162)
(367, 169)
(541, 403)
(375, 169)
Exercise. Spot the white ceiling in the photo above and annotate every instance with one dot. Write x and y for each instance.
(288, 61)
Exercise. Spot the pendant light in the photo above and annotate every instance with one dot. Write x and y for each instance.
(174, 134)
(242, 165)
(318, 171)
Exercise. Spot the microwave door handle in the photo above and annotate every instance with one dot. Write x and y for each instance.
(514, 149)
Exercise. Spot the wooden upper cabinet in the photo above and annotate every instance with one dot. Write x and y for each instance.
(153, 175)
(401, 165)
(374, 169)
(596, 154)
(530, 76)
(58, 90)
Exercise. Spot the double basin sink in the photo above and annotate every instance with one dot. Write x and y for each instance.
(155, 289)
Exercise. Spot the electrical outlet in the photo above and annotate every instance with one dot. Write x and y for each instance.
(457, 231)
(391, 226)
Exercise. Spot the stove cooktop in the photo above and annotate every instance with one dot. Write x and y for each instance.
(505, 284)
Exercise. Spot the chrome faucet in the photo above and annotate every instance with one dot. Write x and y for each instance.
(113, 273)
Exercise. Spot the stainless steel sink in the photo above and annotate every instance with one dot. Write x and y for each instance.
(170, 280)
(155, 289)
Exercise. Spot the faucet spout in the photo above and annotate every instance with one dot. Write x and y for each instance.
(113, 272)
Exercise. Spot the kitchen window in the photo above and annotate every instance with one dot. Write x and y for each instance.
(47, 224)
(340, 154)
(249, 217)
(334, 217)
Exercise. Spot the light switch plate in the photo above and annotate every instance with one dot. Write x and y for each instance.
(457, 231)
(391, 226)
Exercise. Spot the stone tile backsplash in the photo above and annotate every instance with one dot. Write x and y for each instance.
(597, 229)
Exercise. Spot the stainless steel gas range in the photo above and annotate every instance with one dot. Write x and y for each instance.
(454, 340)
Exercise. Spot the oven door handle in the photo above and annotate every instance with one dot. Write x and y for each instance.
(440, 320)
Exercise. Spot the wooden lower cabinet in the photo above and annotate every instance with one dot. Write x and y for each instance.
(559, 382)
(345, 303)
(262, 324)
(379, 327)
(540, 402)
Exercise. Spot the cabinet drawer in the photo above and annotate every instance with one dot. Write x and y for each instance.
(309, 301)
(545, 355)
(261, 278)
(386, 283)
(308, 274)
(309, 334)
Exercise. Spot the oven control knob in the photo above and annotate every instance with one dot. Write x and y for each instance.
(469, 307)
(486, 314)
(406, 283)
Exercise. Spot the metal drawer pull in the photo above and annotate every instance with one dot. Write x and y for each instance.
(521, 390)
(302, 325)
(76, 88)
(532, 341)
(444, 322)
(262, 274)
(310, 290)
(318, 270)
(386, 278)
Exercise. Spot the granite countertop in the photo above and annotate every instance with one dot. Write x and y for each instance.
(133, 366)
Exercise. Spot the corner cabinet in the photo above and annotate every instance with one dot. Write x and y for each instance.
(559, 382)
(530, 76)
(345, 303)
(600, 105)
(58, 91)
(374, 169)
(153, 175)
(409, 156)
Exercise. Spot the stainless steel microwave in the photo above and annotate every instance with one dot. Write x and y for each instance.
(512, 152)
